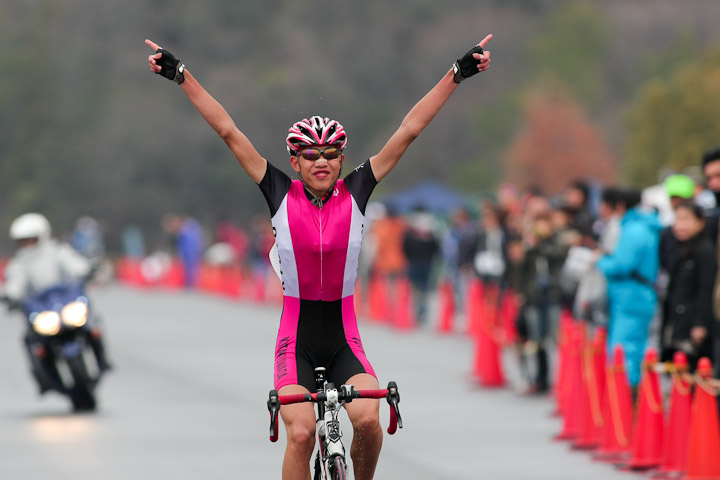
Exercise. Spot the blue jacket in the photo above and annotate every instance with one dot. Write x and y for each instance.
(634, 264)
(631, 272)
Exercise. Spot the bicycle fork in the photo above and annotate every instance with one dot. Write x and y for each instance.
(329, 435)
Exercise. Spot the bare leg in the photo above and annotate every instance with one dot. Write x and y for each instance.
(367, 433)
(299, 420)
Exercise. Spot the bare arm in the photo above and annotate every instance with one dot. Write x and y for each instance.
(419, 117)
(216, 116)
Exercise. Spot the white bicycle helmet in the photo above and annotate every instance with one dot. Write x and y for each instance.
(316, 131)
(30, 225)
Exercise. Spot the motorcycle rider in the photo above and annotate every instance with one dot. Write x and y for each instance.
(39, 263)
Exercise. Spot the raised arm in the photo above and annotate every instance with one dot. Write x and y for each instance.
(164, 63)
(476, 60)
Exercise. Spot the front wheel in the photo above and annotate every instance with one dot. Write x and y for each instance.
(81, 394)
(338, 469)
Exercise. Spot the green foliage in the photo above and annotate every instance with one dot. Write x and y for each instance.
(570, 47)
(494, 124)
(674, 120)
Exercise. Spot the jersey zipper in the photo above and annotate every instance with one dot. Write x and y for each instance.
(321, 246)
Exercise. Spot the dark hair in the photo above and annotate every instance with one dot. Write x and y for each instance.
(513, 237)
(583, 187)
(419, 207)
(611, 196)
(710, 156)
(566, 209)
(630, 197)
(693, 207)
(534, 190)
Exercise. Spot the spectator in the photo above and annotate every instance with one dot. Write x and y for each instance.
(229, 233)
(679, 189)
(467, 235)
(189, 244)
(541, 294)
(373, 212)
(490, 257)
(612, 209)
(711, 172)
(591, 302)
(514, 282)
(260, 243)
(631, 271)
(388, 233)
(420, 247)
(458, 247)
(564, 237)
(687, 308)
(133, 242)
(576, 198)
(87, 238)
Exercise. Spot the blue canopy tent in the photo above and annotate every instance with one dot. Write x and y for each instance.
(433, 196)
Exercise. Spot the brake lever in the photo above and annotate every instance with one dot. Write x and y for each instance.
(347, 392)
(393, 399)
(273, 405)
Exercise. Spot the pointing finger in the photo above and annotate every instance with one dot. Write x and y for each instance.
(485, 40)
(151, 44)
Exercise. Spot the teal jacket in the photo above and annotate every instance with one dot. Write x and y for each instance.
(634, 264)
(631, 272)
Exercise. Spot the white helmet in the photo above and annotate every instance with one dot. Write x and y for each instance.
(30, 225)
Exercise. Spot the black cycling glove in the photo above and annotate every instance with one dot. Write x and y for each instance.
(172, 68)
(466, 66)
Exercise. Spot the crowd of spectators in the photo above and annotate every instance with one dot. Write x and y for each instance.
(641, 263)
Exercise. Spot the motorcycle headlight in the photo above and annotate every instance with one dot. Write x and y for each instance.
(74, 314)
(47, 323)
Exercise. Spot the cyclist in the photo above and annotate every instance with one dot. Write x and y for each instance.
(317, 221)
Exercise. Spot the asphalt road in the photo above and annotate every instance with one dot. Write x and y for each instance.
(186, 400)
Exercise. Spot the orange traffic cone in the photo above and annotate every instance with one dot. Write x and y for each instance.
(232, 281)
(593, 385)
(216, 285)
(210, 278)
(378, 299)
(404, 311)
(573, 386)
(617, 411)
(647, 442)
(703, 461)
(562, 386)
(447, 306)
(488, 368)
(677, 432)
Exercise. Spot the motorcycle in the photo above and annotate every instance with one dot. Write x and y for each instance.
(60, 337)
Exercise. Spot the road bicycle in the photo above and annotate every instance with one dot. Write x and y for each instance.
(330, 461)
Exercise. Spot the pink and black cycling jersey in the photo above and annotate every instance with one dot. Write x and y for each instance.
(318, 248)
